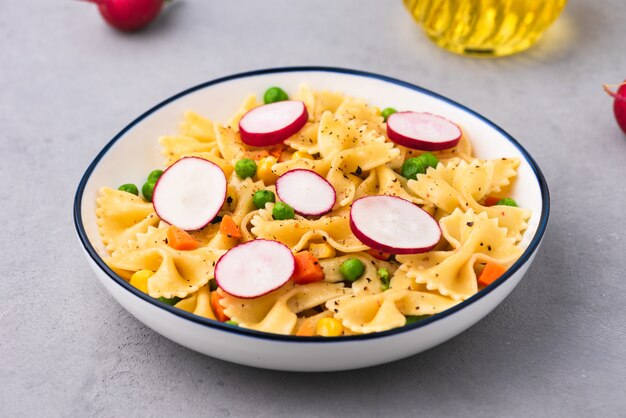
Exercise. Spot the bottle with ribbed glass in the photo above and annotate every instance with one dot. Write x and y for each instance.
(485, 27)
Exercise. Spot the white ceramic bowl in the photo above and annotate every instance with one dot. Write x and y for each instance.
(135, 151)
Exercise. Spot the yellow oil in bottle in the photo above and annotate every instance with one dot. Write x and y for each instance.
(485, 27)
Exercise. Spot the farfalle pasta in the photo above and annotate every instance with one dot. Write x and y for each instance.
(341, 280)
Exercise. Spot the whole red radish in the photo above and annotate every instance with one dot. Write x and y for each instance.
(619, 104)
(129, 15)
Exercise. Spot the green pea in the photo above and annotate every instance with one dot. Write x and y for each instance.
(418, 165)
(154, 176)
(429, 159)
(352, 269)
(388, 111)
(274, 94)
(282, 211)
(212, 285)
(412, 167)
(129, 188)
(507, 201)
(245, 168)
(173, 301)
(231, 322)
(412, 319)
(147, 190)
(383, 273)
(216, 220)
(261, 197)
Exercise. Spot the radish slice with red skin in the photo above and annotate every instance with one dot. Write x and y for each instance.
(393, 225)
(272, 123)
(422, 131)
(190, 193)
(254, 268)
(308, 193)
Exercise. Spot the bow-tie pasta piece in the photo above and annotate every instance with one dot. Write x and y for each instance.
(321, 167)
(197, 135)
(248, 104)
(120, 217)
(197, 126)
(305, 140)
(473, 179)
(400, 281)
(345, 185)
(460, 185)
(392, 184)
(335, 135)
(387, 310)
(307, 96)
(513, 218)
(242, 197)
(318, 102)
(327, 101)
(277, 311)
(448, 185)
(297, 233)
(153, 237)
(435, 186)
(176, 146)
(368, 283)
(462, 151)
(198, 303)
(352, 109)
(475, 238)
(368, 187)
(176, 273)
(365, 158)
(505, 169)
(230, 145)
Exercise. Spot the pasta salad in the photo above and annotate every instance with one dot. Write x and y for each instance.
(315, 215)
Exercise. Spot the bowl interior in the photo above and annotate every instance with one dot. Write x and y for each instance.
(135, 151)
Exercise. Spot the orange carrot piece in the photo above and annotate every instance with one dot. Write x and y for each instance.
(379, 254)
(277, 150)
(179, 239)
(307, 329)
(260, 154)
(218, 310)
(490, 273)
(307, 269)
(229, 228)
(491, 200)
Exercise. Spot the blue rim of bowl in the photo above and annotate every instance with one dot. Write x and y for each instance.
(545, 210)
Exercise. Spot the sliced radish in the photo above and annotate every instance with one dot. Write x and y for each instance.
(422, 131)
(190, 193)
(307, 192)
(393, 225)
(254, 268)
(272, 123)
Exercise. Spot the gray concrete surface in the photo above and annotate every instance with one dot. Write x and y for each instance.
(555, 348)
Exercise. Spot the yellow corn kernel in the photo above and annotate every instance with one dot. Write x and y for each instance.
(323, 250)
(264, 170)
(139, 279)
(301, 154)
(329, 327)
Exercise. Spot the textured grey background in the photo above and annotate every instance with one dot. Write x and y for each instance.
(68, 83)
